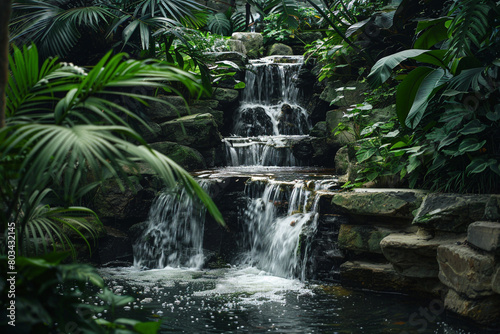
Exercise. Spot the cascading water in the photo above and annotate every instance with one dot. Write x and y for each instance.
(280, 220)
(270, 119)
(174, 234)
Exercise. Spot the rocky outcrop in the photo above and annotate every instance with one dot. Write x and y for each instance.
(253, 42)
(362, 238)
(344, 95)
(187, 157)
(197, 131)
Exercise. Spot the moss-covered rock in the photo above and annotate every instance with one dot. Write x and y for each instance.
(362, 238)
(187, 157)
(280, 49)
(390, 203)
(252, 41)
(344, 94)
(198, 131)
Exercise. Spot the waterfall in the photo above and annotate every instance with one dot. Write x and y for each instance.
(280, 222)
(174, 233)
(270, 119)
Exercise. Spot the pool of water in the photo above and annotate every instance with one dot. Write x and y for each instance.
(248, 300)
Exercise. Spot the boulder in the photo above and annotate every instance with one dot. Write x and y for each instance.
(198, 131)
(123, 208)
(279, 49)
(466, 270)
(227, 97)
(362, 238)
(390, 204)
(252, 41)
(344, 95)
(414, 255)
(484, 235)
(187, 157)
(485, 311)
(253, 121)
(452, 212)
(237, 46)
(319, 130)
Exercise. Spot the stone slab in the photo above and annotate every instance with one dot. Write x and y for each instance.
(465, 270)
(383, 277)
(484, 235)
(452, 212)
(414, 255)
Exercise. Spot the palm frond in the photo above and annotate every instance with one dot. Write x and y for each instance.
(470, 25)
(219, 24)
(55, 29)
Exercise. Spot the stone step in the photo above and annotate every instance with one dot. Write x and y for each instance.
(484, 235)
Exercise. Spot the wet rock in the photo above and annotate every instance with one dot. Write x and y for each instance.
(414, 255)
(485, 311)
(319, 130)
(451, 212)
(187, 157)
(466, 270)
(279, 49)
(252, 41)
(197, 131)
(389, 203)
(135, 231)
(115, 246)
(227, 97)
(316, 107)
(383, 277)
(362, 238)
(303, 150)
(484, 235)
(253, 121)
(292, 121)
(123, 208)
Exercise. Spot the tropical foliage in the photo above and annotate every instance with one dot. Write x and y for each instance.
(446, 102)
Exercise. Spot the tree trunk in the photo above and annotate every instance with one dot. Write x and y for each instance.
(5, 10)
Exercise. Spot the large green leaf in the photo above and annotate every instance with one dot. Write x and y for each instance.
(407, 89)
(219, 24)
(434, 31)
(382, 69)
(432, 82)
